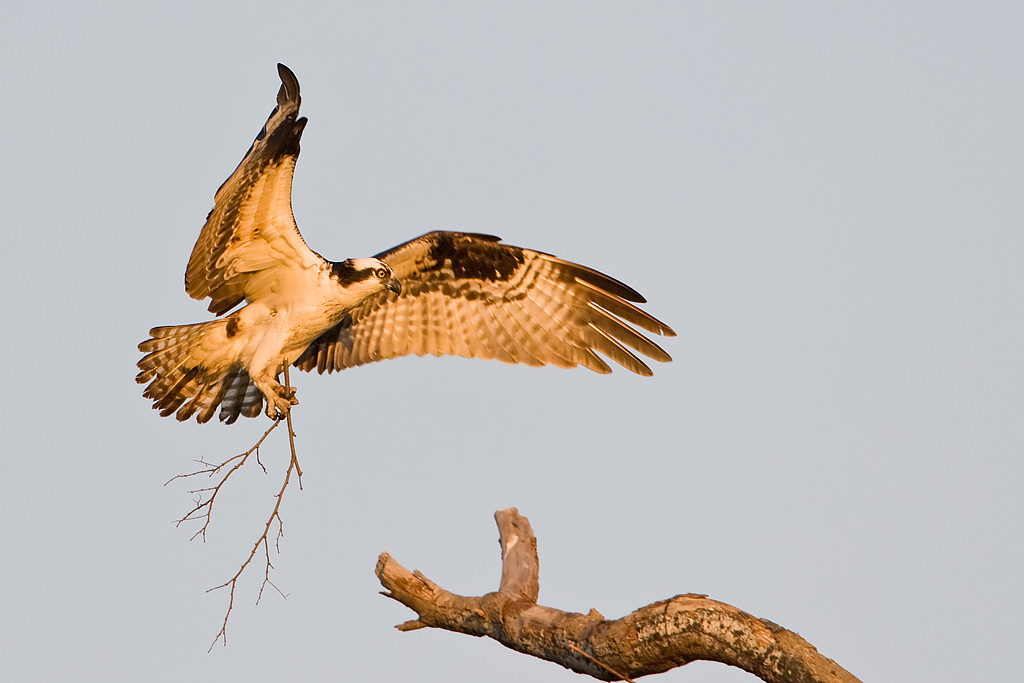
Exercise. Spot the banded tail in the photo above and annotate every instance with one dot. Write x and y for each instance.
(179, 380)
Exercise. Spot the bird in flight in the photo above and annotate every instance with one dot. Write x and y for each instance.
(443, 294)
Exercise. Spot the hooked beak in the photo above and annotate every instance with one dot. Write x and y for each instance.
(395, 286)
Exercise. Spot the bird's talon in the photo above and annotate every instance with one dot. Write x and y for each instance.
(278, 408)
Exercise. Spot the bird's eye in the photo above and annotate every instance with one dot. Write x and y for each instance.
(381, 273)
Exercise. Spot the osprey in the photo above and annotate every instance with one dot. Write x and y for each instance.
(445, 293)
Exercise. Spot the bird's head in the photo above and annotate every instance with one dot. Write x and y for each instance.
(366, 276)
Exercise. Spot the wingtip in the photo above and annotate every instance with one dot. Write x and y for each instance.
(289, 85)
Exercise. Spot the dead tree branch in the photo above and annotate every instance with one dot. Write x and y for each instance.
(207, 496)
(652, 639)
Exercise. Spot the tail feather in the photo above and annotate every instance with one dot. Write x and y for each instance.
(209, 401)
(252, 402)
(179, 381)
(235, 390)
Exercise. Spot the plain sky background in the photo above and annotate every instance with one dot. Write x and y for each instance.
(824, 200)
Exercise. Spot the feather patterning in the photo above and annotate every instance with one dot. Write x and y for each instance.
(441, 294)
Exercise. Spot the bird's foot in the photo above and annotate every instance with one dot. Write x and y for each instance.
(280, 403)
(280, 398)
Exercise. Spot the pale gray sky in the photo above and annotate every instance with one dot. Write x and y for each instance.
(823, 199)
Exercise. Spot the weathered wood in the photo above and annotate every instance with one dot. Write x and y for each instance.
(520, 566)
(652, 639)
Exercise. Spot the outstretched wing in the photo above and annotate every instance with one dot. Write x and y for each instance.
(469, 295)
(250, 239)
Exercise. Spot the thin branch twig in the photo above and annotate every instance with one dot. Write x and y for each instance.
(203, 511)
(204, 508)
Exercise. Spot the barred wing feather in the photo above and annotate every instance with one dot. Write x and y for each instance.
(469, 295)
(250, 239)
